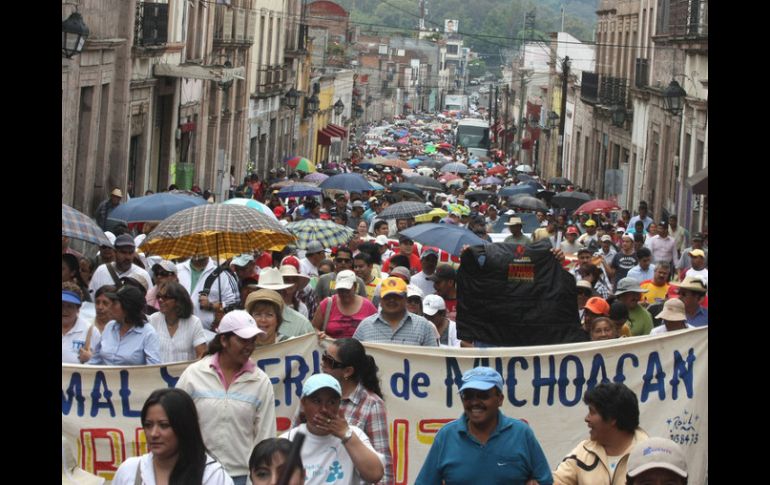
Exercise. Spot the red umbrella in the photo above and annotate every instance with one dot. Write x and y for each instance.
(448, 177)
(444, 145)
(499, 169)
(597, 206)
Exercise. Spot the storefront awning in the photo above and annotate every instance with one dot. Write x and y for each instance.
(325, 136)
(196, 71)
(341, 132)
(699, 182)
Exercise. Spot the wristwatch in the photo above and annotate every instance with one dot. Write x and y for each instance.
(347, 436)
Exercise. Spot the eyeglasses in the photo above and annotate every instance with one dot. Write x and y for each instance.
(166, 297)
(471, 394)
(329, 361)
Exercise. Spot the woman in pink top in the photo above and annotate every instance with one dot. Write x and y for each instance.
(347, 308)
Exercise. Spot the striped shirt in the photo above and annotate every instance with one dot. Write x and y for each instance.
(411, 330)
(366, 410)
(180, 347)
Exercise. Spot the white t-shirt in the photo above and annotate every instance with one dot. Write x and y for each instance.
(702, 274)
(75, 339)
(421, 281)
(452, 340)
(660, 329)
(326, 459)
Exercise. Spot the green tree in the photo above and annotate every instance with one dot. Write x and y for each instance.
(477, 68)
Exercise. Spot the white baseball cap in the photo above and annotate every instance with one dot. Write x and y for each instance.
(346, 279)
(433, 304)
(240, 323)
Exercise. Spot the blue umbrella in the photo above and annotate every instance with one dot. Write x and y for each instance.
(376, 186)
(516, 190)
(366, 165)
(349, 182)
(535, 184)
(299, 190)
(456, 167)
(155, 207)
(414, 162)
(448, 237)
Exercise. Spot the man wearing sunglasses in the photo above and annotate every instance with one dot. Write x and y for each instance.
(326, 285)
(484, 445)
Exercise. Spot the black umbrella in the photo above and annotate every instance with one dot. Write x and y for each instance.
(478, 194)
(527, 202)
(403, 195)
(570, 200)
(425, 183)
(559, 181)
(545, 195)
(408, 186)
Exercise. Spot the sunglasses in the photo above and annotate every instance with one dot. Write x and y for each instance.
(329, 361)
(471, 394)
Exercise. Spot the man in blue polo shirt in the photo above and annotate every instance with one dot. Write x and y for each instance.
(484, 445)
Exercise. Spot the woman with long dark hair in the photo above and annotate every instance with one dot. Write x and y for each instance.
(126, 339)
(347, 361)
(269, 458)
(177, 454)
(70, 271)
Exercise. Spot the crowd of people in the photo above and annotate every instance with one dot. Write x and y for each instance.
(633, 277)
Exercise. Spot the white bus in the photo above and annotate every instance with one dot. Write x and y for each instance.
(473, 134)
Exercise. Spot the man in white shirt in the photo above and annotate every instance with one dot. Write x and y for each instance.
(314, 254)
(673, 317)
(429, 261)
(698, 259)
(125, 250)
(434, 309)
(662, 246)
(606, 251)
(223, 292)
(643, 216)
(679, 234)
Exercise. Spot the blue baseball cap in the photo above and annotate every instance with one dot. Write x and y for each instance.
(70, 297)
(482, 378)
(319, 381)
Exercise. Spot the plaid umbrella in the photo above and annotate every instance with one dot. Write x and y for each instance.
(301, 163)
(155, 207)
(76, 225)
(216, 230)
(404, 210)
(254, 204)
(327, 233)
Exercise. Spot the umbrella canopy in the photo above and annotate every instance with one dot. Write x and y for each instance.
(349, 182)
(597, 206)
(517, 190)
(458, 182)
(478, 194)
(315, 178)
(545, 195)
(432, 163)
(404, 210)
(254, 204)
(437, 212)
(524, 168)
(76, 225)
(448, 237)
(394, 162)
(327, 233)
(523, 177)
(301, 163)
(331, 172)
(299, 190)
(534, 183)
(570, 200)
(283, 183)
(430, 149)
(559, 181)
(155, 207)
(402, 195)
(216, 230)
(425, 183)
(408, 186)
(376, 185)
(448, 177)
(455, 167)
(491, 181)
(461, 209)
(425, 171)
(497, 170)
(414, 162)
(527, 202)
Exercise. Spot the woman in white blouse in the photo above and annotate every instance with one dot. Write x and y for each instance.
(179, 331)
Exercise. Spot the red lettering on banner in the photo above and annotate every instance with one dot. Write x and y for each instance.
(399, 445)
(89, 459)
(282, 424)
(140, 442)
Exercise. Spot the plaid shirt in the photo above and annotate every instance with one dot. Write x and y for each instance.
(366, 410)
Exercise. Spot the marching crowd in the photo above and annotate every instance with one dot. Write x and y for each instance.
(634, 276)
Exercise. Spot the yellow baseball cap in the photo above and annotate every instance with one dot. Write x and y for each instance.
(393, 284)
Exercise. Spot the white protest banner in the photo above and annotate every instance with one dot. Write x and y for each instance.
(544, 386)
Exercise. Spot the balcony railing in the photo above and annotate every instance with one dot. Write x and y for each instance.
(612, 90)
(151, 26)
(683, 18)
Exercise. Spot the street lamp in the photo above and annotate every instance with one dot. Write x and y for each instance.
(74, 33)
(619, 116)
(673, 98)
(292, 98)
(339, 107)
(312, 104)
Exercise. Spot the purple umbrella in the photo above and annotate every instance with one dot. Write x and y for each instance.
(491, 181)
(316, 177)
